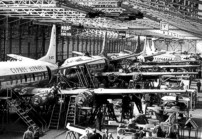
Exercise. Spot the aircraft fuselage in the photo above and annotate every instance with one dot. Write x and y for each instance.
(17, 73)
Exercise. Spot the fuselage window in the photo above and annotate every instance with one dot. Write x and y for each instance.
(25, 78)
(11, 79)
(44, 75)
(33, 76)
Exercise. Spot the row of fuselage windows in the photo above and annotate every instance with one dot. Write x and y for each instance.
(26, 78)
(163, 59)
(17, 79)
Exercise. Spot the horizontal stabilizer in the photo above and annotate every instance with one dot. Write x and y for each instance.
(127, 51)
(73, 64)
(144, 73)
(19, 58)
(78, 53)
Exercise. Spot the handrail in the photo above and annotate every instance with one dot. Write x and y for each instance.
(79, 77)
(51, 116)
(35, 112)
(87, 68)
(59, 115)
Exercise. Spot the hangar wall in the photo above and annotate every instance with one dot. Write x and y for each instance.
(32, 40)
(199, 46)
(180, 46)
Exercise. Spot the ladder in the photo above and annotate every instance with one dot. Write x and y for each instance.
(81, 76)
(23, 114)
(90, 77)
(55, 116)
(71, 111)
(33, 114)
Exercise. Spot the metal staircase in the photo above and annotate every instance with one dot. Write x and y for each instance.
(79, 73)
(55, 116)
(91, 85)
(71, 111)
(23, 113)
(26, 112)
(84, 76)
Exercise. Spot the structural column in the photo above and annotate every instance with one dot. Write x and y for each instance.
(78, 42)
(36, 41)
(68, 42)
(20, 37)
(43, 40)
(10, 39)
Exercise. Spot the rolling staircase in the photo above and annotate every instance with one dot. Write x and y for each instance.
(81, 81)
(22, 113)
(26, 112)
(71, 111)
(55, 116)
(84, 76)
(92, 85)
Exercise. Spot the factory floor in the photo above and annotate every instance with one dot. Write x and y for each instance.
(15, 131)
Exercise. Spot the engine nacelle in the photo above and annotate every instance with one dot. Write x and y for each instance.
(85, 98)
(43, 97)
(40, 96)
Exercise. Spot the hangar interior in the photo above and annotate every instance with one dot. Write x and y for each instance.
(85, 26)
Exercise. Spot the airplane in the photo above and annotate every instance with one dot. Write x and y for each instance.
(161, 56)
(27, 70)
(14, 73)
(117, 57)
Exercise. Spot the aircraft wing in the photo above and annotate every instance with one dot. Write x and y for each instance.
(168, 66)
(126, 56)
(79, 129)
(77, 63)
(174, 76)
(183, 61)
(144, 73)
(99, 91)
(156, 54)
(76, 129)
(19, 58)
(78, 53)
(73, 91)
(127, 51)
(102, 91)
(170, 62)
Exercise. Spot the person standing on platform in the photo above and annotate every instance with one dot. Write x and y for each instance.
(29, 133)
(198, 85)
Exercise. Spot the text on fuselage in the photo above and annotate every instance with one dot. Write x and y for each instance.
(26, 69)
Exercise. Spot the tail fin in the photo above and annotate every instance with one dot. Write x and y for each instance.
(148, 48)
(141, 45)
(51, 54)
(153, 45)
(103, 51)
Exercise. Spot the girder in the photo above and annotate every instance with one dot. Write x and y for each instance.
(160, 15)
(29, 3)
(182, 16)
